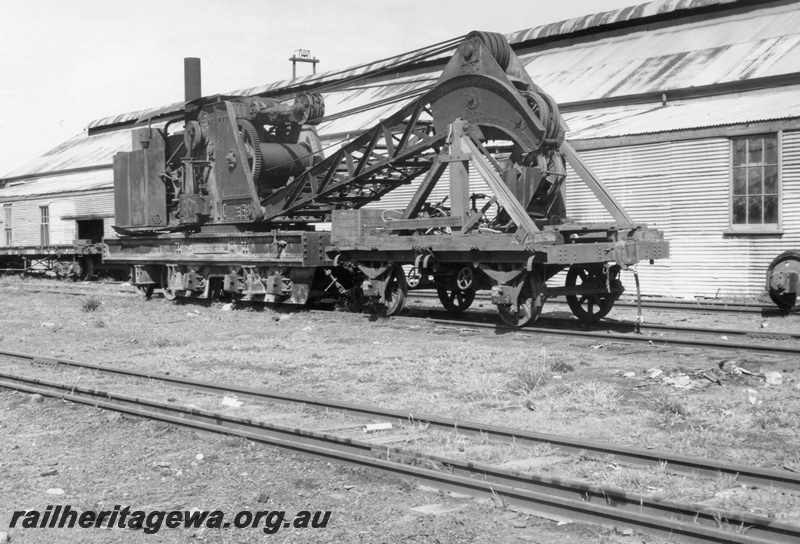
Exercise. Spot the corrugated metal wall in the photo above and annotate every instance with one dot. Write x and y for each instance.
(683, 189)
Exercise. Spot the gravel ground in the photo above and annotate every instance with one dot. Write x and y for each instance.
(573, 387)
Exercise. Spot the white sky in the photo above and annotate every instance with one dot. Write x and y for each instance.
(64, 63)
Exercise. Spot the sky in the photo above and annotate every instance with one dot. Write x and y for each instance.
(65, 63)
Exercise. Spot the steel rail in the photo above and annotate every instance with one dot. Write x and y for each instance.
(627, 326)
(652, 304)
(633, 338)
(695, 466)
(574, 500)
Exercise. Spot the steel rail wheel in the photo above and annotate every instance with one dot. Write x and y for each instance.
(779, 271)
(396, 291)
(589, 308)
(169, 294)
(146, 290)
(527, 308)
(456, 300)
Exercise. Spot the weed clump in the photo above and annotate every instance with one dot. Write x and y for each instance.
(91, 304)
(666, 404)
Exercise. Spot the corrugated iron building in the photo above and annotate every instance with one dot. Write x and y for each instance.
(689, 110)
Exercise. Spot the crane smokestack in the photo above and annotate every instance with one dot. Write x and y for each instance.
(191, 78)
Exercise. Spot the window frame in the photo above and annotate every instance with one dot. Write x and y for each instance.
(756, 228)
(44, 226)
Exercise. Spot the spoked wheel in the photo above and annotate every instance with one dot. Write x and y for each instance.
(146, 290)
(414, 277)
(778, 276)
(589, 308)
(169, 294)
(396, 291)
(527, 307)
(456, 301)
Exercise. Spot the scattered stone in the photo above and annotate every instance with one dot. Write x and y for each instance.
(655, 373)
(307, 328)
(728, 367)
(629, 375)
(681, 381)
(773, 378)
(4, 537)
(437, 509)
(48, 324)
(227, 307)
(37, 398)
(199, 456)
(764, 325)
(519, 524)
(233, 402)
(454, 495)
(752, 397)
(51, 472)
(263, 497)
(55, 491)
(372, 427)
(723, 337)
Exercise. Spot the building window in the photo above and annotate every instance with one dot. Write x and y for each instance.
(44, 225)
(7, 223)
(756, 181)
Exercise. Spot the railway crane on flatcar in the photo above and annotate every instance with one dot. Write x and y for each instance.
(229, 208)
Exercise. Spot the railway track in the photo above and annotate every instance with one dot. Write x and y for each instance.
(604, 331)
(747, 308)
(766, 478)
(631, 337)
(550, 496)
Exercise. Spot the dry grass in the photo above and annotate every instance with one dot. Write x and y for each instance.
(91, 304)
(517, 380)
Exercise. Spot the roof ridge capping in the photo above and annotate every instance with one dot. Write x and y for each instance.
(613, 18)
(636, 14)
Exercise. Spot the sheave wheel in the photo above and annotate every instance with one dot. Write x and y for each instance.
(455, 301)
(396, 291)
(589, 308)
(526, 309)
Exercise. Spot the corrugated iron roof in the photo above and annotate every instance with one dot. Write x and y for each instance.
(729, 47)
(79, 152)
(708, 112)
(733, 48)
(595, 20)
(53, 185)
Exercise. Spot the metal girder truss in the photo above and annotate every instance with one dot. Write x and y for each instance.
(391, 154)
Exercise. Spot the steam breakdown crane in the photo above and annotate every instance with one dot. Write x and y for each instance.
(238, 206)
